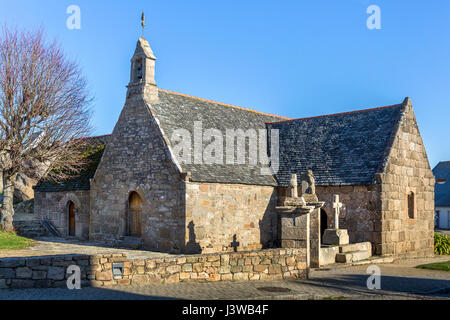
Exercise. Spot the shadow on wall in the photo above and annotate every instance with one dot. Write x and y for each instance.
(323, 223)
(192, 246)
(268, 225)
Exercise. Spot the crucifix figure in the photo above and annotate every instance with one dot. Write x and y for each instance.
(337, 208)
(294, 185)
(311, 189)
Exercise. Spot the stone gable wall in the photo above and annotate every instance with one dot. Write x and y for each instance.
(215, 213)
(378, 213)
(407, 170)
(53, 206)
(137, 159)
(361, 211)
(51, 271)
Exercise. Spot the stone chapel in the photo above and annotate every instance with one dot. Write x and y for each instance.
(140, 190)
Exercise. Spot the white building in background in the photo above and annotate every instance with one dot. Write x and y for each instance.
(443, 217)
(442, 195)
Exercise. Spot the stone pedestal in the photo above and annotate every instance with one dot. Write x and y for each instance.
(294, 230)
(336, 237)
(294, 226)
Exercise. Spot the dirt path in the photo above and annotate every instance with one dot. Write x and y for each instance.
(57, 246)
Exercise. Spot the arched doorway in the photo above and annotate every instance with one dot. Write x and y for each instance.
(71, 207)
(323, 222)
(134, 215)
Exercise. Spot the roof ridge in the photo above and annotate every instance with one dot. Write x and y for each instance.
(99, 136)
(223, 104)
(338, 114)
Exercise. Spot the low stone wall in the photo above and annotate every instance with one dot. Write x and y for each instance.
(96, 270)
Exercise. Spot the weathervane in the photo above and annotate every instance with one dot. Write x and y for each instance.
(143, 23)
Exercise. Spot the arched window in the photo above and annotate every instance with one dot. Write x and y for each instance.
(411, 205)
(134, 215)
(139, 70)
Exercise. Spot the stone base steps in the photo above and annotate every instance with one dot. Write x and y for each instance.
(353, 256)
(361, 246)
(30, 229)
(354, 252)
(348, 253)
(129, 243)
(374, 260)
(51, 229)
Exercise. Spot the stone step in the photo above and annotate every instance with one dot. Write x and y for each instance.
(51, 229)
(371, 260)
(353, 256)
(361, 246)
(30, 229)
(374, 260)
(129, 243)
(327, 255)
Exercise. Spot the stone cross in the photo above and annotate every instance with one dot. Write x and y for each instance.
(337, 208)
(294, 185)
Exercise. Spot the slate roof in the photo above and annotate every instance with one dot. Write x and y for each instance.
(81, 181)
(178, 111)
(442, 191)
(341, 149)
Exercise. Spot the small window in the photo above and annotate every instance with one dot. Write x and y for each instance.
(411, 203)
(138, 70)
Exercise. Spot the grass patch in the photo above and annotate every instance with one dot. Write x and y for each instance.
(442, 266)
(11, 241)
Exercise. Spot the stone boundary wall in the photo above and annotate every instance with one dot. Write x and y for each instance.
(96, 270)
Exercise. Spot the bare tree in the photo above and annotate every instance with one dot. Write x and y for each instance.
(44, 113)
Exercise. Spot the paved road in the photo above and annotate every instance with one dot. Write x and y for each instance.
(398, 281)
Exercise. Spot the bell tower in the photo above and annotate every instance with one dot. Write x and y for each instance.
(142, 76)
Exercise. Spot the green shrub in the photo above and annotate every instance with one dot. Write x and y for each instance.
(441, 244)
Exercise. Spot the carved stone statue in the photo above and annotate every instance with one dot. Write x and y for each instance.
(311, 182)
(294, 184)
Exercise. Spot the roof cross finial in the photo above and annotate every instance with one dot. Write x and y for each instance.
(143, 23)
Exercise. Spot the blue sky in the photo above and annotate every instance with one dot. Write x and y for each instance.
(292, 58)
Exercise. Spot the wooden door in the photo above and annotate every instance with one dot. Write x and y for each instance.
(135, 215)
(71, 219)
